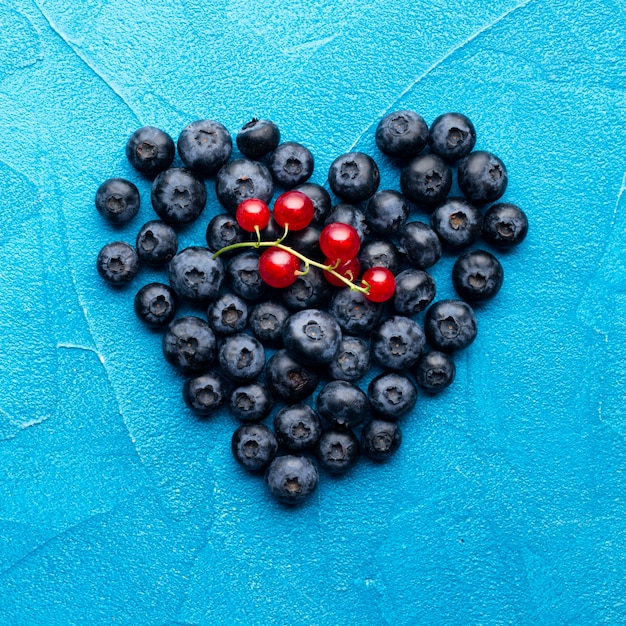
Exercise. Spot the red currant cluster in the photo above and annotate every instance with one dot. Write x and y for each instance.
(280, 265)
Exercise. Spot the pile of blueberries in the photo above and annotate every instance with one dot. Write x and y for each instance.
(262, 350)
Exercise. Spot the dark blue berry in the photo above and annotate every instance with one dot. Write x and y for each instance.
(150, 150)
(343, 404)
(505, 225)
(415, 290)
(289, 379)
(195, 275)
(309, 291)
(242, 275)
(117, 263)
(241, 179)
(380, 439)
(354, 312)
(457, 223)
(312, 337)
(386, 212)
(297, 427)
(223, 231)
(291, 479)
(291, 164)
(450, 325)
(426, 180)
(254, 446)
(157, 243)
(351, 215)
(337, 450)
(352, 360)
(206, 393)
(241, 357)
(379, 253)
(419, 244)
(397, 343)
(228, 315)
(402, 134)
(434, 371)
(178, 196)
(117, 200)
(354, 177)
(189, 344)
(250, 403)
(452, 136)
(204, 146)
(258, 138)
(155, 305)
(392, 395)
(306, 242)
(266, 321)
(477, 276)
(482, 177)
(320, 198)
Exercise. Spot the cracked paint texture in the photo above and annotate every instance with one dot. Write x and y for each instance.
(505, 504)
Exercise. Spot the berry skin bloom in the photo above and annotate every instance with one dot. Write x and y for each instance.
(381, 282)
(278, 267)
(293, 209)
(253, 213)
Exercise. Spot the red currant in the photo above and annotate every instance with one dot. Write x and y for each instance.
(350, 269)
(293, 209)
(278, 267)
(381, 283)
(252, 212)
(339, 241)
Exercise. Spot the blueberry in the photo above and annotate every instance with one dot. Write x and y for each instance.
(343, 404)
(291, 479)
(206, 393)
(117, 200)
(415, 290)
(155, 305)
(271, 232)
(288, 379)
(306, 241)
(241, 179)
(312, 337)
(178, 196)
(434, 371)
(402, 134)
(258, 138)
(228, 315)
(150, 150)
(195, 275)
(477, 276)
(452, 136)
(397, 343)
(379, 253)
(157, 243)
(380, 439)
(320, 198)
(482, 177)
(351, 215)
(297, 427)
(309, 291)
(266, 321)
(505, 225)
(419, 244)
(457, 223)
(291, 164)
(354, 177)
(204, 146)
(450, 325)
(250, 403)
(386, 212)
(254, 446)
(426, 180)
(352, 360)
(242, 275)
(337, 450)
(223, 231)
(392, 395)
(117, 263)
(354, 312)
(189, 344)
(241, 357)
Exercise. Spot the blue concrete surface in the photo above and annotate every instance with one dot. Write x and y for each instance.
(505, 504)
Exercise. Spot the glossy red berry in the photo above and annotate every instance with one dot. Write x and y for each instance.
(339, 241)
(381, 282)
(278, 267)
(293, 209)
(350, 269)
(252, 212)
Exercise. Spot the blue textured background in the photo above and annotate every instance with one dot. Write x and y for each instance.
(506, 502)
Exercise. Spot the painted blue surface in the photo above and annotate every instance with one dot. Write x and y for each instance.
(506, 502)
